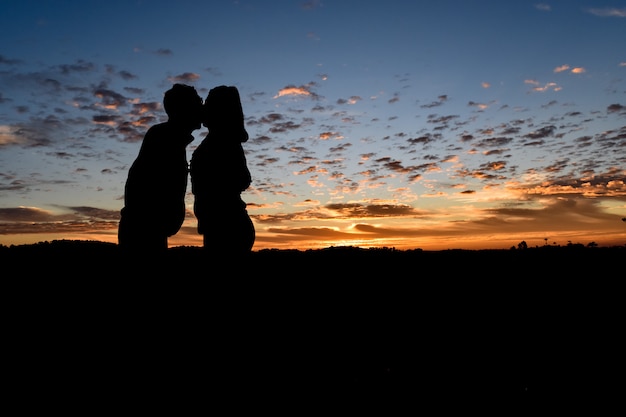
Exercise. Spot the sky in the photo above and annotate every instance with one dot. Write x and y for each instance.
(402, 124)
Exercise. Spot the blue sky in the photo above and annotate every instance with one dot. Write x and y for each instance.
(442, 124)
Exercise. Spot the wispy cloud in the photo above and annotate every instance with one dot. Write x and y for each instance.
(561, 68)
(186, 77)
(608, 12)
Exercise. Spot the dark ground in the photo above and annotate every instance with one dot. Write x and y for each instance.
(335, 331)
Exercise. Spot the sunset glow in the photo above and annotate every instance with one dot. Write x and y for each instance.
(420, 132)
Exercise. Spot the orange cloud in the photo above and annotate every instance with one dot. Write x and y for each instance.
(7, 137)
(293, 91)
(561, 68)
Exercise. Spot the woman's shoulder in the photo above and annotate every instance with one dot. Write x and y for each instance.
(202, 155)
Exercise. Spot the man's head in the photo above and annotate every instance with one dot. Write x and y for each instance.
(183, 105)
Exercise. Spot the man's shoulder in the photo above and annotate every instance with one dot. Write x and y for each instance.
(159, 127)
(162, 131)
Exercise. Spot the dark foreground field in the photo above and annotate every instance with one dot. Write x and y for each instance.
(340, 331)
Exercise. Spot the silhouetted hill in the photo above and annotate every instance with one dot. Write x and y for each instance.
(550, 262)
(372, 327)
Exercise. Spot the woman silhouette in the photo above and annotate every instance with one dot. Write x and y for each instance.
(219, 174)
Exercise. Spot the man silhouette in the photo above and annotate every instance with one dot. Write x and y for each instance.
(154, 194)
(219, 174)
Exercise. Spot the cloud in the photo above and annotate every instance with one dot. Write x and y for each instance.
(79, 66)
(297, 91)
(351, 100)
(440, 101)
(25, 214)
(164, 51)
(186, 77)
(608, 12)
(142, 108)
(358, 210)
(110, 99)
(80, 219)
(540, 133)
(547, 86)
(214, 71)
(330, 135)
(160, 51)
(543, 7)
(616, 108)
(126, 75)
(575, 70)
(8, 61)
(394, 99)
(109, 120)
(311, 4)
(561, 68)
(37, 132)
(480, 106)
(8, 136)
(29, 215)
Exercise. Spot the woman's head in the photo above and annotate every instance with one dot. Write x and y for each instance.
(223, 112)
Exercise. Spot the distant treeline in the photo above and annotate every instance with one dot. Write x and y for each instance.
(349, 261)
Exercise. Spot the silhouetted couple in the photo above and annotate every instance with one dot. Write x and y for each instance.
(154, 194)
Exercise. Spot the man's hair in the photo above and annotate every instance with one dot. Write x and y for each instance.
(180, 100)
